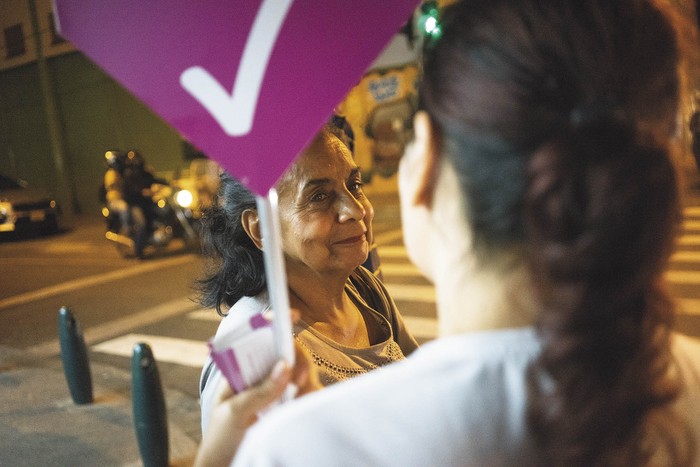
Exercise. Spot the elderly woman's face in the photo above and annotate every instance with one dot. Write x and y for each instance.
(325, 217)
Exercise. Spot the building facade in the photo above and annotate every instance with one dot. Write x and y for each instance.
(91, 111)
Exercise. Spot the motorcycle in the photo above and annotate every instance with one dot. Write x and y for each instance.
(171, 217)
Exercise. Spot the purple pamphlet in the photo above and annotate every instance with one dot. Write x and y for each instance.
(246, 353)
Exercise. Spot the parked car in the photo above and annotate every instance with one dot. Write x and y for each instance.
(24, 209)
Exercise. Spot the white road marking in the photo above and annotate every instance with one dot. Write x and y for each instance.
(387, 237)
(205, 315)
(392, 251)
(690, 256)
(689, 240)
(92, 281)
(691, 211)
(411, 292)
(683, 277)
(165, 349)
(689, 306)
(402, 269)
(424, 328)
(119, 326)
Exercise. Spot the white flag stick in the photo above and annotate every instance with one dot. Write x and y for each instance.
(276, 275)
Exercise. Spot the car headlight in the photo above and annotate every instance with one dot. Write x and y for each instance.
(5, 211)
(184, 198)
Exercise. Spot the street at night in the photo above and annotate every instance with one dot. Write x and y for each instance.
(540, 152)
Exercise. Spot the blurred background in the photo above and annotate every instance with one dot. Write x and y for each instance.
(59, 113)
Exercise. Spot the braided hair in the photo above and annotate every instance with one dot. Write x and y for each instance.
(573, 103)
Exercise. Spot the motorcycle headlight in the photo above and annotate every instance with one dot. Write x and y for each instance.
(184, 198)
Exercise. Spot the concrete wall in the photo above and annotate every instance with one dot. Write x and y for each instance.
(96, 114)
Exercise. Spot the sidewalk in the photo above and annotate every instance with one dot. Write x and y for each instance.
(42, 426)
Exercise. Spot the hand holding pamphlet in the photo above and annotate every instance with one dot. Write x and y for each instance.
(246, 353)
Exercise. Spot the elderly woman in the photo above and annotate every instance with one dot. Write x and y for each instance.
(348, 323)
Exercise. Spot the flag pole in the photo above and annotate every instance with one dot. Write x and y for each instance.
(276, 276)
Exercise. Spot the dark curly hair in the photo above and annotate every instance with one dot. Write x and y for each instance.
(235, 267)
(557, 117)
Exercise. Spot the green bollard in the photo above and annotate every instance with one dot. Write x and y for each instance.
(149, 408)
(74, 357)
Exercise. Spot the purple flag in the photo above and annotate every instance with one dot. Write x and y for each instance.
(247, 82)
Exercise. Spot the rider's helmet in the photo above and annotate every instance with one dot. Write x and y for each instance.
(115, 159)
(135, 159)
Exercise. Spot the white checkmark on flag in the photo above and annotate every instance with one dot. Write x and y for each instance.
(235, 111)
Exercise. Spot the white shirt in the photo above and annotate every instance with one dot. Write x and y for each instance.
(242, 310)
(456, 401)
(334, 361)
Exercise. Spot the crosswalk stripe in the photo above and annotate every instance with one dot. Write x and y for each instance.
(414, 293)
(392, 251)
(689, 306)
(691, 211)
(388, 236)
(422, 328)
(113, 328)
(204, 315)
(690, 256)
(683, 277)
(395, 269)
(689, 240)
(691, 225)
(185, 352)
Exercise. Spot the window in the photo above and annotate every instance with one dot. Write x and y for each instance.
(14, 41)
(56, 38)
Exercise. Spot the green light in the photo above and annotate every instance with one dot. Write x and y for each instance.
(428, 21)
(430, 25)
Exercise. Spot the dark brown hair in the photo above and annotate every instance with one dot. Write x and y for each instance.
(235, 267)
(557, 117)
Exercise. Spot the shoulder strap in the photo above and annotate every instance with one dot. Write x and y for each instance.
(205, 375)
(371, 291)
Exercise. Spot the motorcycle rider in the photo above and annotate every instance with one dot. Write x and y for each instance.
(138, 183)
(112, 193)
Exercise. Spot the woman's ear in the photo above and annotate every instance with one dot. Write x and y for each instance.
(427, 158)
(251, 225)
